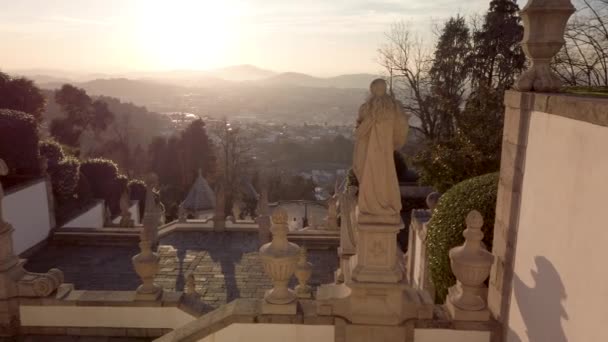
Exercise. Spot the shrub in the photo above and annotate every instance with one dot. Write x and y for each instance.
(19, 142)
(448, 223)
(104, 181)
(64, 177)
(83, 189)
(137, 191)
(52, 151)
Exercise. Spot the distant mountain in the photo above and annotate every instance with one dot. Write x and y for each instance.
(245, 72)
(304, 80)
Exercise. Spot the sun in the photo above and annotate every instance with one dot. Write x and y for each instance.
(182, 34)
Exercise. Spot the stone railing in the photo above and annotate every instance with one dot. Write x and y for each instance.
(416, 259)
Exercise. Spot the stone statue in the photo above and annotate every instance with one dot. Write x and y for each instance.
(125, 214)
(332, 212)
(382, 127)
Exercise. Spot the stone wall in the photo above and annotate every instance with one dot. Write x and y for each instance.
(27, 209)
(550, 230)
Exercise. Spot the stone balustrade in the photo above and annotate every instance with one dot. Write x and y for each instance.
(416, 259)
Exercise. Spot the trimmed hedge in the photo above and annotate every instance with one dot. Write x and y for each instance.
(137, 191)
(53, 151)
(448, 223)
(19, 142)
(104, 181)
(64, 177)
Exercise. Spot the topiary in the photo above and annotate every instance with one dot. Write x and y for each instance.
(448, 223)
(64, 177)
(52, 151)
(137, 191)
(19, 142)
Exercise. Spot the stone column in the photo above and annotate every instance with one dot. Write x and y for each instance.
(15, 281)
(146, 263)
(263, 218)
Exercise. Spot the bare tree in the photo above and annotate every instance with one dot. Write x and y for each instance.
(408, 62)
(583, 61)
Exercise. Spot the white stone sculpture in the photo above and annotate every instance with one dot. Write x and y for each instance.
(303, 273)
(382, 127)
(279, 258)
(146, 263)
(471, 265)
(544, 24)
(125, 214)
(332, 212)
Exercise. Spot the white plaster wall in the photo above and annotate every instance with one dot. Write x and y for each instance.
(559, 288)
(103, 316)
(92, 218)
(261, 332)
(28, 211)
(316, 214)
(450, 335)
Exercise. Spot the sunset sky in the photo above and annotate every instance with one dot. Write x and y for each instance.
(320, 37)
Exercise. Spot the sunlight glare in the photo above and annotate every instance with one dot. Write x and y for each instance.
(183, 34)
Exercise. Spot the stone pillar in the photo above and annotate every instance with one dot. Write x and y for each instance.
(15, 281)
(543, 37)
(348, 231)
(49, 191)
(146, 263)
(279, 258)
(263, 218)
(125, 214)
(219, 219)
(471, 262)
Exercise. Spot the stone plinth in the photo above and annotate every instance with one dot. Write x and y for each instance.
(378, 259)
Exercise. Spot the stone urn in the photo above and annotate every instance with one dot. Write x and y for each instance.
(471, 265)
(146, 265)
(544, 25)
(303, 273)
(279, 258)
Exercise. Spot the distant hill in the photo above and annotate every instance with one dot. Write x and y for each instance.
(304, 80)
(245, 72)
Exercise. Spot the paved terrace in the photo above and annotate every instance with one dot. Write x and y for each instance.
(225, 265)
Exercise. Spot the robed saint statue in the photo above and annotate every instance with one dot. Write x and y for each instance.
(382, 128)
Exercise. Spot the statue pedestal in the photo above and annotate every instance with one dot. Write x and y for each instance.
(374, 291)
(377, 258)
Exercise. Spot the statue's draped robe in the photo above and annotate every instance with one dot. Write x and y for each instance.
(382, 128)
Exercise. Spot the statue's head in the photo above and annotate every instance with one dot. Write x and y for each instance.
(378, 87)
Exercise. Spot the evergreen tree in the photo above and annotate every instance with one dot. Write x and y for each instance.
(449, 73)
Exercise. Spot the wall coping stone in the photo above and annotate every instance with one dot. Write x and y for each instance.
(591, 109)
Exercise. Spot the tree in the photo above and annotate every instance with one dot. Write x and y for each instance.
(406, 61)
(196, 152)
(21, 94)
(449, 73)
(235, 160)
(583, 60)
(497, 57)
(81, 113)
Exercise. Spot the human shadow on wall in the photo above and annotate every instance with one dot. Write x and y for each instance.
(541, 305)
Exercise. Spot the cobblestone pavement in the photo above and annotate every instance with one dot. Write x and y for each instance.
(225, 265)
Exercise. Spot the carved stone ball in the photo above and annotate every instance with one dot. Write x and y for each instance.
(279, 216)
(432, 199)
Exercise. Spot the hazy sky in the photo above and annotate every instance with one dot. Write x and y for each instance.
(321, 37)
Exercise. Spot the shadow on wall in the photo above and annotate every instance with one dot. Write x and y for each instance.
(540, 306)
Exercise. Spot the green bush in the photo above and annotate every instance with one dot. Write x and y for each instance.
(64, 177)
(448, 223)
(104, 181)
(137, 191)
(52, 151)
(19, 142)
